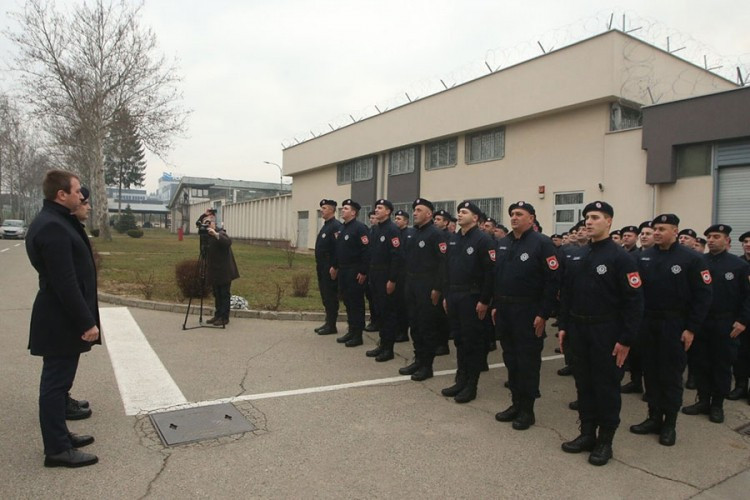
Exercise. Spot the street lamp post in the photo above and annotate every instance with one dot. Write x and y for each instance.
(281, 176)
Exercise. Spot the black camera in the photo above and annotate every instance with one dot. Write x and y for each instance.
(203, 228)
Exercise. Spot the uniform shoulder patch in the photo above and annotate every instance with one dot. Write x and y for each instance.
(395, 242)
(364, 239)
(443, 247)
(634, 280)
(492, 255)
(706, 275)
(552, 263)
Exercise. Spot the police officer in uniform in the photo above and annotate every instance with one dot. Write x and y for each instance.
(601, 310)
(325, 246)
(443, 220)
(677, 293)
(715, 345)
(401, 218)
(629, 236)
(687, 237)
(386, 267)
(527, 282)
(741, 366)
(467, 284)
(351, 262)
(374, 324)
(425, 253)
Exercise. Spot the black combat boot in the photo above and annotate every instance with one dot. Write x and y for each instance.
(690, 383)
(701, 407)
(345, 337)
(652, 425)
(424, 372)
(739, 391)
(525, 417)
(458, 386)
(410, 369)
(372, 327)
(716, 412)
(668, 435)
(375, 352)
(632, 387)
(317, 330)
(469, 392)
(584, 442)
(603, 449)
(386, 352)
(509, 414)
(327, 329)
(355, 340)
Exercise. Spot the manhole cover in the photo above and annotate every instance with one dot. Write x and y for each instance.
(197, 424)
(744, 430)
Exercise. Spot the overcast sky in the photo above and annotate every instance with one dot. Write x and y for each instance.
(261, 73)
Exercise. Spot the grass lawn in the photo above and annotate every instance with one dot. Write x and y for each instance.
(125, 261)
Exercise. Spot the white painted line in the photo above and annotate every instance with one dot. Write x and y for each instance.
(145, 384)
(4, 249)
(313, 390)
(17, 245)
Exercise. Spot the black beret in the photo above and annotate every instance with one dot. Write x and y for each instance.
(744, 235)
(401, 213)
(616, 231)
(385, 203)
(666, 219)
(556, 236)
(630, 229)
(702, 241)
(718, 228)
(688, 232)
(490, 219)
(371, 213)
(356, 206)
(442, 213)
(578, 224)
(522, 205)
(328, 202)
(645, 224)
(500, 226)
(453, 219)
(599, 206)
(85, 193)
(423, 202)
(470, 207)
(565, 234)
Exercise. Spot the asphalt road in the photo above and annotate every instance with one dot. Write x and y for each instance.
(382, 439)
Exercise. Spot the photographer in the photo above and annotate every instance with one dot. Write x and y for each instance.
(221, 268)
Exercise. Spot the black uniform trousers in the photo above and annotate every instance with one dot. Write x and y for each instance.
(742, 364)
(443, 328)
(222, 297)
(329, 290)
(635, 363)
(595, 371)
(386, 304)
(58, 373)
(354, 297)
(467, 330)
(714, 351)
(422, 317)
(371, 305)
(664, 360)
(522, 349)
(402, 308)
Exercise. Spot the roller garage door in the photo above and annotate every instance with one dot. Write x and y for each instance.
(733, 189)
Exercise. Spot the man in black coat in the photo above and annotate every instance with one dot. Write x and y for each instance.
(221, 269)
(65, 315)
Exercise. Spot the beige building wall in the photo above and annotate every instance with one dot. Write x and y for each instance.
(308, 190)
(691, 198)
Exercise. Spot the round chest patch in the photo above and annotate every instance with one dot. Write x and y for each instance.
(421, 244)
(676, 269)
(382, 238)
(323, 235)
(524, 256)
(346, 237)
(729, 276)
(470, 250)
(601, 269)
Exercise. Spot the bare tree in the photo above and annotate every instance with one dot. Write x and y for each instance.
(79, 68)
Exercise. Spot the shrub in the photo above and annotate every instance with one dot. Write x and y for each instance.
(188, 277)
(126, 221)
(147, 284)
(300, 285)
(135, 233)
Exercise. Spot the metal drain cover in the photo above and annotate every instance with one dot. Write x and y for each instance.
(198, 424)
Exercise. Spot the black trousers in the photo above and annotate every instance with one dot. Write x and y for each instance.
(467, 329)
(443, 328)
(354, 298)
(635, 362)
(222, 296)
(58, 373)
(371, 305)
(422, 318)
(386, 304)
(714, 351)
(329, 293)
(664, 359)
(522, 349)
(402, 308)
(596, 373)
(741, 366)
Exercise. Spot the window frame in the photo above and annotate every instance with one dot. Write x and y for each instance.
(450, 142)
(410, 169)
(484, 133)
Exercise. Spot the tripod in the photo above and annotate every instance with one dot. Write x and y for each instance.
(202, 262)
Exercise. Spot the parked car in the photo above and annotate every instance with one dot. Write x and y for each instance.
(13, 229)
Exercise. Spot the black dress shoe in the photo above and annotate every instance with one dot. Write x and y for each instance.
(79, 441)
(318, 329)
(374, 352)
(212, 320)
(716, 414)
(355, 341)
(507, 415)
(668, 436)
(524, 420)
(410, 369)
(327, 330)
(81, 403)
(738, 392)
(423, 373)
(345, 337)
(221, 322)
(75, 412)
(442, 350)
(565, 371)
(70, 458)
(631, 388)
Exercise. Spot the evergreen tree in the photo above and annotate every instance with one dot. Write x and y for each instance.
(126, 221)
(124, 155)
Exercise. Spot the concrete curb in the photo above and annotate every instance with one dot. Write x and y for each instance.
(208, 309)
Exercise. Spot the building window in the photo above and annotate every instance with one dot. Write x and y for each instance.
(441, 154)
(622, 117)
(693, 160)
(361, 169)
(406, 207)
(362, 215)
(403, 161)
(493, 207)
(485, 146)
(448, 206)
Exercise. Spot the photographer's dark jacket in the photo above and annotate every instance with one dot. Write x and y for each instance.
(66, 304)
(220, 265)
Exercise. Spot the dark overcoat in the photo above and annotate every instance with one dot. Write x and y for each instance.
(220, 265)
(66, 304)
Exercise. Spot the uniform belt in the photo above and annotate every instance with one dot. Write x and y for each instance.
(720, 315)
(593, 320)
(665, 314)
(504, 299)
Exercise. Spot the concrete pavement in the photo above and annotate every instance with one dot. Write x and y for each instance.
(393, 439)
